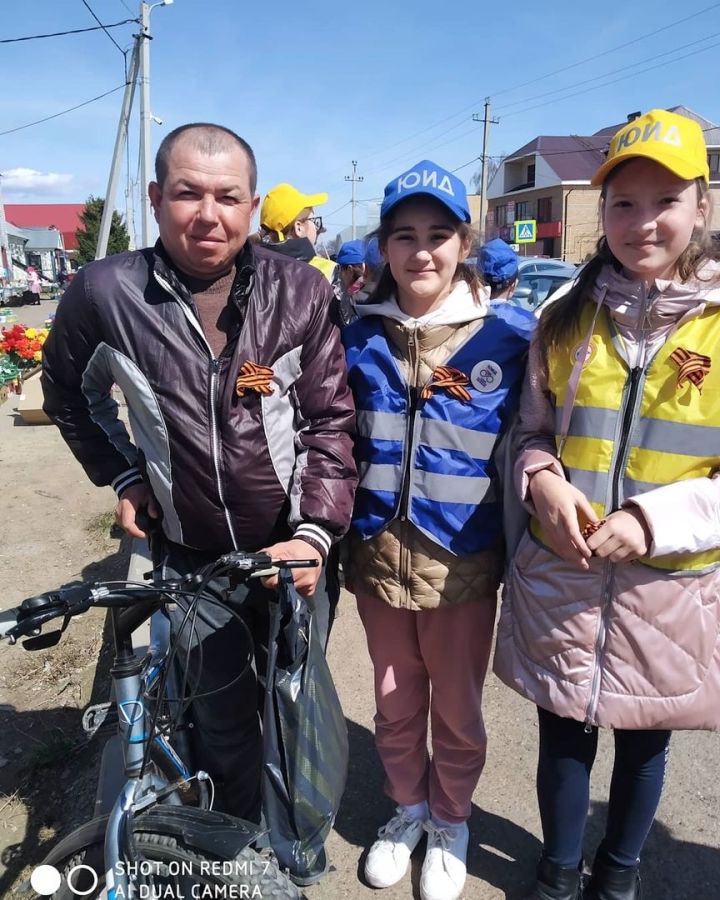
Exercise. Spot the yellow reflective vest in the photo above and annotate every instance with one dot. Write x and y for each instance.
(326, 266)
(635, 430)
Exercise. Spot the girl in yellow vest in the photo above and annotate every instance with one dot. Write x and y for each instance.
(611, 613)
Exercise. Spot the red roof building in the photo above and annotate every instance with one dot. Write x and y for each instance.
(63, 216)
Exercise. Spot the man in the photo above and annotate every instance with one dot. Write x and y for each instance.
(222, 461)
(499, 269)
(289, 225)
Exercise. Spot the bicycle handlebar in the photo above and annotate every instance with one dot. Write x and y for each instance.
(77, 597)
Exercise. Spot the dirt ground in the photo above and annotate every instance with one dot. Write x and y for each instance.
(56, 527)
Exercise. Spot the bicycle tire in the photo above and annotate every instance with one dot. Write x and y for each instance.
(254, 875)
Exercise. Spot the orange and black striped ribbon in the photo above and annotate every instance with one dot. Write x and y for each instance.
(449, 379)
(253, 377)
(693, 367)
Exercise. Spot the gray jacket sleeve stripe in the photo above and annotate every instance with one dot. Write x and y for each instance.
(278, 413)
(146, 422)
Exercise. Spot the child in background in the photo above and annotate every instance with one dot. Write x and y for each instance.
(435, 375)
(611, 612)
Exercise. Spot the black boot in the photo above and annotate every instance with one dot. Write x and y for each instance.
(610, 881)
(556, 882)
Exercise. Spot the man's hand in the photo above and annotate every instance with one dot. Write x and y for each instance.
(624, 536)
(305, 579)
(559, 507)
(133, 500)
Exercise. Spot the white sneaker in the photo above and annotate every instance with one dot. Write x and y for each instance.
(444, 869)
(389, 856)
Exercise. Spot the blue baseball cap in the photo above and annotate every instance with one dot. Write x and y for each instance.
(373, 256)
(498, 262)
(351, 253)
(431, 180)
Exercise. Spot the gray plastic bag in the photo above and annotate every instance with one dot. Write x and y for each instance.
(305, 741)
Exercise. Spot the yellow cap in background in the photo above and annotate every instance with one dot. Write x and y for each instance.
(283, 203)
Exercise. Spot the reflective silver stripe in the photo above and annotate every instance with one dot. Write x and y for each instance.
(593, 484)
(675, 437)
(590, 421)
(445, 436)
(383, 426)
(449, 488)
(632, 487)
(377, 477)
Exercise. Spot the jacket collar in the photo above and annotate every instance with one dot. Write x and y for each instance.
(242, 283)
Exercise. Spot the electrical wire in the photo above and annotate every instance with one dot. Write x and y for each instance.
(37, 37)
(535, 81)
(120, 87)
(588, 59)
(653, 58)
(613, 81)
(90, 10)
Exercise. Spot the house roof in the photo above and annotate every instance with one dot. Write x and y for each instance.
(65, 217)
(571, 157)
(43, 239)
(575, 158)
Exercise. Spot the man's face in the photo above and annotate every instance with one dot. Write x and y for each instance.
(204, 208)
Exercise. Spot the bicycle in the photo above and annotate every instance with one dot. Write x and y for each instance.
(161, 834)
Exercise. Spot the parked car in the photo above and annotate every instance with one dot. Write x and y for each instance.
(536, 287)
(542, 264)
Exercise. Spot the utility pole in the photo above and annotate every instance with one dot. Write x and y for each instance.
(146, 116)
(354, 179)
(485, 159)
(120, 138)
(5, 256)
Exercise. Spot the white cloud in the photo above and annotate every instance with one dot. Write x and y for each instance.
(29, 182)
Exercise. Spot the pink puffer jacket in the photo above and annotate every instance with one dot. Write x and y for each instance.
(621, 645)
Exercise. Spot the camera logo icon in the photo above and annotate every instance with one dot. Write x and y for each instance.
(45, 880)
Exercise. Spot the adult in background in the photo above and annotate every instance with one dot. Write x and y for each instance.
(220, 459)
(349, 278)
(498, 266)
(288, 225)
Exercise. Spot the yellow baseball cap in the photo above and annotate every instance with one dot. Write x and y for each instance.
(282, 204)
(674, 141)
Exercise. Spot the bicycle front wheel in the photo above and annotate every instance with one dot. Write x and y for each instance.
(171, 868)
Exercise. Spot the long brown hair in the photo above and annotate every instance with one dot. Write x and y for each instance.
(386, 284)
(562, 318)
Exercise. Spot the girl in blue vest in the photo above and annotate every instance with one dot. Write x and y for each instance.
(435, 374)
(611, 613)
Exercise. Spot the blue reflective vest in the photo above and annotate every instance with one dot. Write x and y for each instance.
(428, 460)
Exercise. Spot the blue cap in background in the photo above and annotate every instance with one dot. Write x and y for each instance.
(498, 262)
(351, 253)
(431, 180)
(373, 256)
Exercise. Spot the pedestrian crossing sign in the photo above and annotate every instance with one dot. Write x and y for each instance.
(525, 231)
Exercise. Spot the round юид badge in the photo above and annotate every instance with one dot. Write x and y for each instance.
(486, 376)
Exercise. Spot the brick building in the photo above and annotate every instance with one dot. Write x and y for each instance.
(548, 179)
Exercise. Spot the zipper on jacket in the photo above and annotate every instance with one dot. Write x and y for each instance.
(633, 397)
(590, 710)
(412, 405)
(213, 392)
(215, 440)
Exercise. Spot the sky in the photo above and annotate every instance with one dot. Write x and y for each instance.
(313, 86)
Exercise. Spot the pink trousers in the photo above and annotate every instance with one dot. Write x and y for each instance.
(432, 661)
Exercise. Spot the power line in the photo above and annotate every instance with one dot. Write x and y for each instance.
(120, 87)
(36, 37)
(640, 62)
(581, 62)
(614, 81)
(90, 10)
(606, 52)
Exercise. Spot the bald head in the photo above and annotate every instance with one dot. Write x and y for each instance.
(208, 139)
